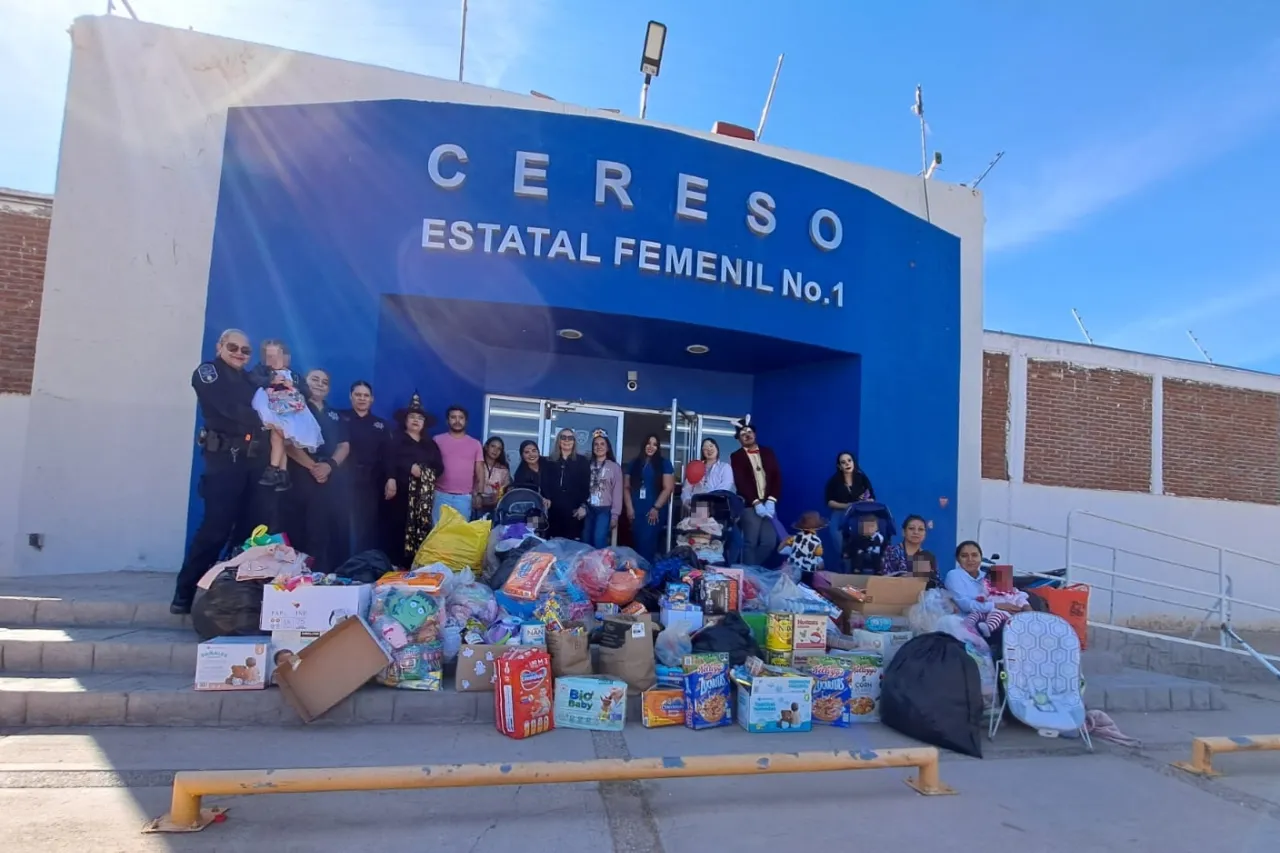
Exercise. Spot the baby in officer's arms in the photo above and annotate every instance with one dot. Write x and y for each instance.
(283, 408)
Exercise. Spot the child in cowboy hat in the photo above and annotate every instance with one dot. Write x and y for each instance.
(804, 549)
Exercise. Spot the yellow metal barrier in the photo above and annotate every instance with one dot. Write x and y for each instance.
(1204, 748)
(186, 815)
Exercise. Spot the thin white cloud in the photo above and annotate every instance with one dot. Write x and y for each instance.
(1178, 133)
(421, 37)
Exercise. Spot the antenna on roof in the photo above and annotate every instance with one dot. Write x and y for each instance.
(1080, 322)
(462, 44)
(918, 109)
(768, 101)
(986, 171)
(934, 165)
(111, 7)
(1203, 352)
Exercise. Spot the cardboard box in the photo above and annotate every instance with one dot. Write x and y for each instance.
(293, 641)
(313, 608)
(882, 596)
(592, 702)
(776, 703)
(332, 668)
(233, 663)
(662, 706)
(477, 670)
(688, 618)
(882, 643)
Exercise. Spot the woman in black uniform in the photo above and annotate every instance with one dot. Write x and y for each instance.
(370, 439)
(414, 463)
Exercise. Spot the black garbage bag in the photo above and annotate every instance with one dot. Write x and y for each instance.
(509, 560)
(365, 567)
(732, 635)
(229, 608)
(931, 691)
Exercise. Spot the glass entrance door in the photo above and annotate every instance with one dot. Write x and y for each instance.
(684, 448)
(582, 421)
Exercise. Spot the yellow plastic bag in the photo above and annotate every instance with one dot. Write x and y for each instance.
(457, 543)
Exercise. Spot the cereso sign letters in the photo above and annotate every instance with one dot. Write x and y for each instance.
(448, 168)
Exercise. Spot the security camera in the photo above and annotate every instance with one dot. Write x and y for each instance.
(633, 380)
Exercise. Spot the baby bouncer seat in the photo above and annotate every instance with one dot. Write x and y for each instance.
(1040, 672)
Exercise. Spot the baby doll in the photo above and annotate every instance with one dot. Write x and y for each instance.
(283, 408)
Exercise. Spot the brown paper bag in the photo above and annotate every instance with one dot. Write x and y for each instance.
(570, 652)
(626, 651)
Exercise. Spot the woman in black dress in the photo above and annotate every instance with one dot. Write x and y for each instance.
(848, 485)
(413, 464)
(566, 487)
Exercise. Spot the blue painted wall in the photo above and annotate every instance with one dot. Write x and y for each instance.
(321, 217)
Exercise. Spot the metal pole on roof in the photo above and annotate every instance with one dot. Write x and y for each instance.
(1203, 351)
(768, 101)
(462, 46)
(1080, 322)
(128, 8)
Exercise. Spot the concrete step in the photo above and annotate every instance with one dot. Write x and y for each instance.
(169, 700)
(102, 699)
(78, 650)
(1099, 662)
(100, 600)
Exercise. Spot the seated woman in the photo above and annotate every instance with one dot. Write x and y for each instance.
(985, 608)
(908, 557)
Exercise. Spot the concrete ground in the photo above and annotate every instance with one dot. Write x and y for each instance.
(92, 789)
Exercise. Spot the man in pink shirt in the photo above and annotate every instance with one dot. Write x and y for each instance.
(459, 486)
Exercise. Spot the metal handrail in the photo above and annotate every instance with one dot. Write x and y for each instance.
(1116, 548)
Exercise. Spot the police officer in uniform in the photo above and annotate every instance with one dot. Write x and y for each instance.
(235, 454)
(314, 514)
(367, 465)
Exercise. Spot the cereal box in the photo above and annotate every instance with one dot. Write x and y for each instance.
(779, 633)
(832, 690)
(661, 706)
(530, 572)
(593, 702)
(522, 698)
(866, 671)
(809, 632)
(776, 702)
(706, 691)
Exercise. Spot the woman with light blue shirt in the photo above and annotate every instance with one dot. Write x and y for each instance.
(718, 476)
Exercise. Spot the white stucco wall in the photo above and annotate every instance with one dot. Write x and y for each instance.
(1245, 528)
(129, 258)
(14, 409)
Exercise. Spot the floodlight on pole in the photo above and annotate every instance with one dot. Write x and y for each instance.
(655, 40)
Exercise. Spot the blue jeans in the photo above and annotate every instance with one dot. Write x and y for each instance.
(462, 503)
(596, 531)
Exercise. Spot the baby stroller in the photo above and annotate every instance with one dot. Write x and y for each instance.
(1040, 670)
(522, 506)
(863, 551)
(714, 549)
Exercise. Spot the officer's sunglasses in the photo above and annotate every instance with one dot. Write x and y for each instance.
(236, 349)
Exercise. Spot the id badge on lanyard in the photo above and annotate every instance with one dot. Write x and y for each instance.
(597, 473)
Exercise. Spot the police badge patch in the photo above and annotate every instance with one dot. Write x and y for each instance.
(333, 415)
(378, 425)
(208, 373)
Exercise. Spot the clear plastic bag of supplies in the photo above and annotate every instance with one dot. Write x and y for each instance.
(542, 577)
(469, 600)
(757, 586)
(672, 645)
(407, 614)
(610, 575)
(932, 606)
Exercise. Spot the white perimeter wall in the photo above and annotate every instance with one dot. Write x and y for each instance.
(1245, 528)
(14, 409)
(129, 257)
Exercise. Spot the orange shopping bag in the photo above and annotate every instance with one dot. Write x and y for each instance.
(1070, 603)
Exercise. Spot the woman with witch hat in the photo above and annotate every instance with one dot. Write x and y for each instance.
(414, 463)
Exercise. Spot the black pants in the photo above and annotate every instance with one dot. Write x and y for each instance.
(363, 499)
(234, 504)
(314, 519)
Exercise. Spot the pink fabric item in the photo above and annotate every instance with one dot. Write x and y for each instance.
(460, 457)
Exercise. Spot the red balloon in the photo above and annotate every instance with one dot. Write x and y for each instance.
(695, 471)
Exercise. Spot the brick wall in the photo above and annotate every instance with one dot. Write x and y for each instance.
(1221, 442)
(1087, 428)
(995, 416)
(24, 241)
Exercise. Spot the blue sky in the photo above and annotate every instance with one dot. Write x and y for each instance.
(1140, 135)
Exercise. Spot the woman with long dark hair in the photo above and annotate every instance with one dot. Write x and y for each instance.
(909, 557)
(529, 472)
(410, 489)
(647, 489)
(606, 492)
(497, 475)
